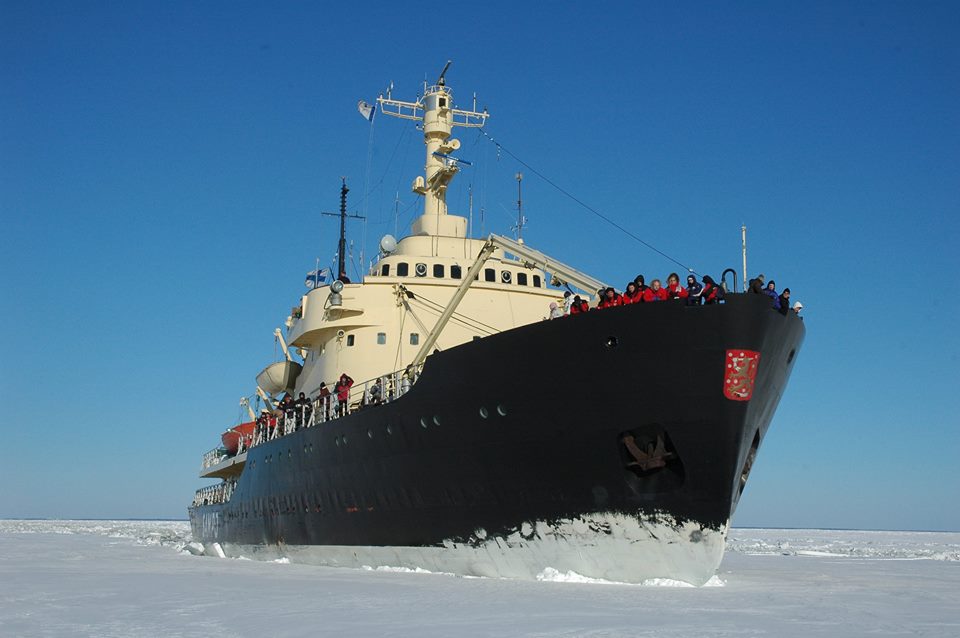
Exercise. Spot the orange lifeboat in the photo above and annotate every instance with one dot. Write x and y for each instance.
(231, 438)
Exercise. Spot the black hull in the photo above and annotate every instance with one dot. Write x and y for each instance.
(559, 397)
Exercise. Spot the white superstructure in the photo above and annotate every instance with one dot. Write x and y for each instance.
(377, 326)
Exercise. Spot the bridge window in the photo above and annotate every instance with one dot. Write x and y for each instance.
(489, 274)
(403, 269)
(385, 270)
(455, 272)
(536, 281)
(438, 271)
(350, 340)
(521, 279)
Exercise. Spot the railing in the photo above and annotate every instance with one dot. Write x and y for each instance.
(213, 494)
(377, 391)
(214, 456)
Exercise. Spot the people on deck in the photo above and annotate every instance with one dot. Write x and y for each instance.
(555, 312)
(632, 294)
(304, 408)
(654, 292)
(610, 299)
(771, 291)
(641, 285)
(579, 306)
(342, 390)
(756, 285)
(785, 302)
(323, 400)
(674, 289)
(711, 293)
(343, 277)
(376, 392)
(693, 291)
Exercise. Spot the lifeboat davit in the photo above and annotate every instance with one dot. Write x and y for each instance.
(231, 438)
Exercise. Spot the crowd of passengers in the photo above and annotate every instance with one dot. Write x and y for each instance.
(693, 294)
(292, 414)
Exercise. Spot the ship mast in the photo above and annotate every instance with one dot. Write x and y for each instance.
(437, 117)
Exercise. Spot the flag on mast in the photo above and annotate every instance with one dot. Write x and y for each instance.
(317, 277)
(367, 110)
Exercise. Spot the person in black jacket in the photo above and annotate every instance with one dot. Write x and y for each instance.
(785, 302)
(756, 285)
(693, 291)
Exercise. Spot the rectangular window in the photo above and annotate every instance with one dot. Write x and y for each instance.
(385, 270)
(414, 339)
(349, 340)
(521, 279)
(489, 274)
(403, 269)
(536, 281)
(381, 338)
(455, 272)
(438, 271)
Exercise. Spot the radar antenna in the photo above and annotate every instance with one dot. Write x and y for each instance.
(440, 80)
(437, 116)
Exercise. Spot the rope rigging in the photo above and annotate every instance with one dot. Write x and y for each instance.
(501, 148)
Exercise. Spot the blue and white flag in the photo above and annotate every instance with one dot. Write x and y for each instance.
(367, 110)
(317, 277)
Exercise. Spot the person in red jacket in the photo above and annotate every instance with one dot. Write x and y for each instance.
(579, 306)
(655, 292)
(632, 294)
(711, 293)
(610, 299)
(674, 289)
(342, 390)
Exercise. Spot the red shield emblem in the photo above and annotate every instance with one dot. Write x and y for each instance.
(739, 374)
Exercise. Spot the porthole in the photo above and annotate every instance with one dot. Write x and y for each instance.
(304, 449)
(337, 441)
(436, 420)
(369, 434)
(381, 338)
(612, 342)
(344, 438)
(389, 429)
(501, 410)
(484, 413)
(423, 422)
(790, 356)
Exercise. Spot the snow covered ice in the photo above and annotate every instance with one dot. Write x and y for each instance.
(137, 578)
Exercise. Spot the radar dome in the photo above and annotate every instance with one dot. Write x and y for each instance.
(388, 244)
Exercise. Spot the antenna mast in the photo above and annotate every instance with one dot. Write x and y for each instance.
(520, 219)
(342, 244)
(437, 117)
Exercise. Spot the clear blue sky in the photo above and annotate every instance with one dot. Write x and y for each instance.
(163, 167)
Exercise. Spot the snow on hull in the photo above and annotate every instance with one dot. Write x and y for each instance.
(610, 547)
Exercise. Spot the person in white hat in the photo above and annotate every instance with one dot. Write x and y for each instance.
(797, 307)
